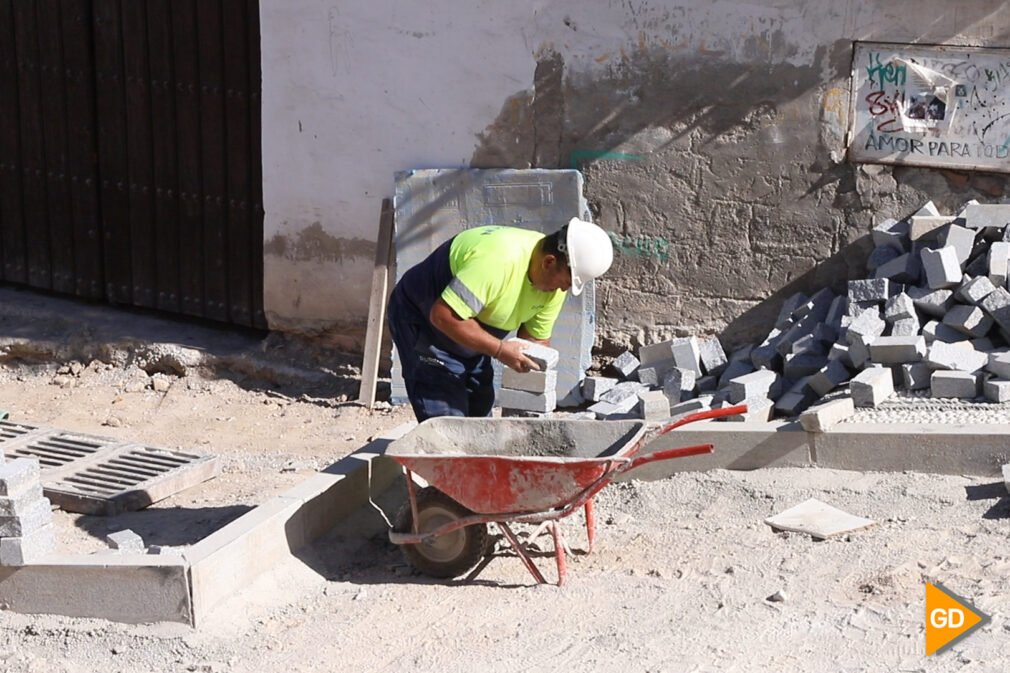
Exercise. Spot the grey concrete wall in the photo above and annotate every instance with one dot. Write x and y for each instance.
(710, 134)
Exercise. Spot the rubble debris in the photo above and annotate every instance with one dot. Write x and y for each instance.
(937, 301)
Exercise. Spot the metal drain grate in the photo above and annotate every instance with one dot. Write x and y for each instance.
(98, 475)
(53, 448)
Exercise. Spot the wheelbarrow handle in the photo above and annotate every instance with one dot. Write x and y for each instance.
(701, 416)
(668, 454)
(681, 452)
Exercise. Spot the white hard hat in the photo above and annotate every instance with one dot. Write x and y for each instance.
(589, 250)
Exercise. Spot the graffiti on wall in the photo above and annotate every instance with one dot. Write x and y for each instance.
(931, 106)
(641, 245)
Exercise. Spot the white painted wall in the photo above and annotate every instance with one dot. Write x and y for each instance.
(355, 90)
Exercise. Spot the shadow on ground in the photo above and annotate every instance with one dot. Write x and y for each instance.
(169, 527)
(995, 491)
(39, 328)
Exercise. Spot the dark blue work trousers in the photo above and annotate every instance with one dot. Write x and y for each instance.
(442, 377)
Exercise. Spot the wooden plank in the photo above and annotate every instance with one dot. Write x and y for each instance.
(212, 145)
(33, 160)
(12, 243)
(187, 114)
(82, 148)
(256, 162)
(113, 165)
(139, 160)
(166, 180)
(54, 129)
(239, 216)
(377, 306)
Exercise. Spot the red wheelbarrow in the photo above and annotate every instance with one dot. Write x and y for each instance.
(501, 471)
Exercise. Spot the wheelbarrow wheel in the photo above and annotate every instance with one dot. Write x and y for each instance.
(448, 555)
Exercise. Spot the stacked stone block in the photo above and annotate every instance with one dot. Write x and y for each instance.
(26, 530)
(531, 392)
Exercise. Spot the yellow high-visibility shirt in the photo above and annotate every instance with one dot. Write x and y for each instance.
(490, 281)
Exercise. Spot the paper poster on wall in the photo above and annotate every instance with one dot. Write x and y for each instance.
(930, 106)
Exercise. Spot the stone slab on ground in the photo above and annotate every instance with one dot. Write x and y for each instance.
(818, 519)
(25, 549)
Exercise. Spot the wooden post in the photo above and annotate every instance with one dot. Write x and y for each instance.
(377, 306)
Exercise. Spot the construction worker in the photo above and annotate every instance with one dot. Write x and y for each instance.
(449, 314)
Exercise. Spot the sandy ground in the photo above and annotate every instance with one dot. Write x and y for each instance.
(680, 579)
(267, 440)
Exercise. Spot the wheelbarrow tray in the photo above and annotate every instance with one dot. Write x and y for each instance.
(497, 465)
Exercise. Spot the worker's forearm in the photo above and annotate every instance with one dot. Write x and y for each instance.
(470, 334)
(467, 333)
(523, 334)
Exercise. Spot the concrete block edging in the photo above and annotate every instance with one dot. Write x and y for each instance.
(145, 588)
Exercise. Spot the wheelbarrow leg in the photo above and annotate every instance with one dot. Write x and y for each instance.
(559, 552)
(412, 497)
(590, 525)
(523, 556)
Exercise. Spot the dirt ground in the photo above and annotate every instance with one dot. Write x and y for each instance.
(680, 579)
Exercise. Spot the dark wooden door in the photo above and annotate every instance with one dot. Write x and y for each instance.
(130, 156)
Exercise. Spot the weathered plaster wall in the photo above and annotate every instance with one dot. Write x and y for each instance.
(710, 134)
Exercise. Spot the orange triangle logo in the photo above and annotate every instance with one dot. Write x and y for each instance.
(949, 618)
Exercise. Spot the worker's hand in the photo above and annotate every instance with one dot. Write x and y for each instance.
(511, 356)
